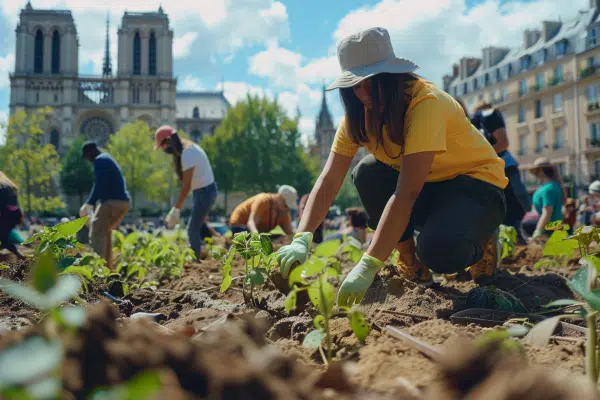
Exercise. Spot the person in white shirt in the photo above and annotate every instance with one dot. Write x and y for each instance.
(195, 173)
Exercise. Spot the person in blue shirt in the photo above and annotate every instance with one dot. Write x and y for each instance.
(491, 123)
(110, 192)
(548, 199)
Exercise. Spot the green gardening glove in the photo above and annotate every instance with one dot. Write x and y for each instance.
(357, 282)
(297, 251)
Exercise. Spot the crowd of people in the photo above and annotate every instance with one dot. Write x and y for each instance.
(436, 184)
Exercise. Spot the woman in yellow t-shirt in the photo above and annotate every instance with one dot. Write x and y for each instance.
(429, 169)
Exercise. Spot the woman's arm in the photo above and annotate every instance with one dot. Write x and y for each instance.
(186, 185)
(501, 140)
(397, 212)
(324, 192)
(544, 218)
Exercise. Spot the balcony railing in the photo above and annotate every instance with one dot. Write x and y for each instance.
(589, 71)
(593, 142)
(593, 106)
(96, 91)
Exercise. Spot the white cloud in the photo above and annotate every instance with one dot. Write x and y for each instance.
(183, 44)
(236, 91)
(7, 64)
(189, 82)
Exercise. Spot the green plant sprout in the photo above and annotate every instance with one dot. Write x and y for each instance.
(584, 283)
(256, 250)
(214, 250)
(508, 241)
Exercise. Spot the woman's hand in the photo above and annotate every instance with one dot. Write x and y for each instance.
(358, 281)
(297, 251)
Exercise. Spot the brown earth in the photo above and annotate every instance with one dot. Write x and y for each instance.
(211, 345)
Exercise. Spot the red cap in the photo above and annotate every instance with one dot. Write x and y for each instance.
(162, 133)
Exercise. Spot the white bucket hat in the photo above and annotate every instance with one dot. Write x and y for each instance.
(594, 187)
(290, 195)
(368, 53)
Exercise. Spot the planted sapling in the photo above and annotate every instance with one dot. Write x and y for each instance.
(314, 277)
(256, 250)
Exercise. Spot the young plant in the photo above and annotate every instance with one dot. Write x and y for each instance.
(313, 276)
(256, 250)
(508, 241)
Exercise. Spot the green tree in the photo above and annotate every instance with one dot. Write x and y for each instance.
(146, 171)
(261, 147)
(348, 195)
(32, 165)
(76, 174)
(220, 150)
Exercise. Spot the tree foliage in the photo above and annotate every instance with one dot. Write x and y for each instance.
(76, 174)
(147, 172)
(348, 195)
(257, 147)
(31, 164)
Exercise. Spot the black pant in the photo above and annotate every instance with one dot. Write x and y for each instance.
(8, 221)
(454, 218)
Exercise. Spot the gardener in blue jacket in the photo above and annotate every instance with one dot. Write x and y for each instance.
(110, 191)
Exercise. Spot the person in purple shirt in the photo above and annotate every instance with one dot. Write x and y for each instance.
(111, 195)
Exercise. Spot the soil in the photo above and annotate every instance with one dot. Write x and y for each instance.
(212, 345)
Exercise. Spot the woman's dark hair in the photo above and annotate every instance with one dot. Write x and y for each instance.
(462, 104)
(549, 172)
(177, 143)
(358, 217)
(393, 90)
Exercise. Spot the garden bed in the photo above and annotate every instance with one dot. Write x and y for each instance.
(208, 344)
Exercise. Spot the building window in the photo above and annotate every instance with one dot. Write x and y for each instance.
(503, 94)
(561, 169)
(558, 73)
(38, 58)
(540, 57)
(55, 52)
(137, 54)
(521, 113)
(196, 113)
(54, 138)
(196, 135)
(135, 95)
(539, 142)
(509, 71)
(475, 84)
(592, 38)
(498, 75)
(592, 94)
(465, 88)
(487, 79)
(561, 48)
(523, 145)
(539, 109)
(557, 102)
(525, 63)
(597, 168)
(594, 134)
(152, 54)
(152, 95)
(539, 80)
(559, 139)
(522, 87)
(493, 96)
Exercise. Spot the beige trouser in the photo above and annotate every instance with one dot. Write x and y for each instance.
(107, 217)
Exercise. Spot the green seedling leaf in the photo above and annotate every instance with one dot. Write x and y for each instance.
(290, 301)
(579, 284)
(591, 261)
(277, 231)
(29, 360)
(319, 322)
(72, 227)
(327, 249)
(266, 245)
(65, 262)
(323, 302)
(44, 273)
(66, 286)
(143, 386)
(227, 279)
(34, 237)
(359, 325)
(73, 316)
(83, 272)
(256, 278)
(563, 303)
(558, 246)
(314, 339)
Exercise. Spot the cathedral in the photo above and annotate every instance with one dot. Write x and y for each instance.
(142, 87)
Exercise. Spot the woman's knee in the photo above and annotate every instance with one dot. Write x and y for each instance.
(364, 172)
(446, 254)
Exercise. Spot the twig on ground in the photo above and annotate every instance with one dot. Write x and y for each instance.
(415, 343)
(405, 314)
(567, 339)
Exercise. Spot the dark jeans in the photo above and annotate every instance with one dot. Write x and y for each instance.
(204, 199)
(518, 201)
(8, 221)
(454, 218)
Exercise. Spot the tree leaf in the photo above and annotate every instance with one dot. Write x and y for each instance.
(327, 249)
(579, 284)
(28, 360)
(256, 278)
(313, 339)
(359, 325)
(290, 301)
(44, 273)
(72, 227)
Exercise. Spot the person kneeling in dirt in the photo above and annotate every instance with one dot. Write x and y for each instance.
(355, 226)
(264, 211)
(110, 190)
(10, 215)
(429, 169)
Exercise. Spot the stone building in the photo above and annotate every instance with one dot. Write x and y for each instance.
(142, 86)
(548, 90)
(324, 131)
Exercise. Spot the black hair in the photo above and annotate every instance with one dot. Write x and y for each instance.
(549, 172)
(358, 217)
(177, 143)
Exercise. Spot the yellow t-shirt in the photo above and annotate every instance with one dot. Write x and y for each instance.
(434, 122)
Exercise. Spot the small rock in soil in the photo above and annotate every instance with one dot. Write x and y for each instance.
(12, 323)
(156, 317)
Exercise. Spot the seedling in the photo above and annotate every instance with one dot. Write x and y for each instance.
(314, 277)
(256, 250)
(508, 241)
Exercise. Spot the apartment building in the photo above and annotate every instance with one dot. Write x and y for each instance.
(548, 89)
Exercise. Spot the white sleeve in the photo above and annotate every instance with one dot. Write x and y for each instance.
(187, 160)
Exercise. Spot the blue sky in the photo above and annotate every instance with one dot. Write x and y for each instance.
(287, 48)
